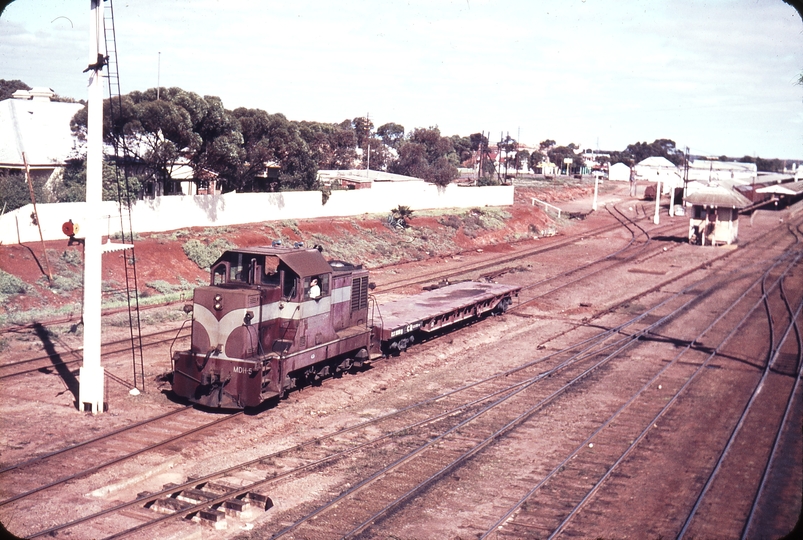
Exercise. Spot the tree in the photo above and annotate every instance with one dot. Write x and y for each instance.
(377, 151)
(412, 160)
(557, 155)
(362, 130)
(536, 158)
(14, 192)
(272, 138)
(769, 165)
(7, 88)
(426, 154)
(478, 141)
(72, 187)
(479, 144)
(180, 125)
(639, 151)
(463, 150)
(391, 134)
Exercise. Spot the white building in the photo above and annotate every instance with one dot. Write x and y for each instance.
(619, 172)
(732, 172)
(659, 169)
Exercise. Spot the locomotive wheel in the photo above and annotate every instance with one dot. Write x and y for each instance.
(345, 365)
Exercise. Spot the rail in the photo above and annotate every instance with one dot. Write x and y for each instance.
(546, 205)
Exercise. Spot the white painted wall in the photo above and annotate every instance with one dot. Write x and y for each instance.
(619, 172)
(178, 212)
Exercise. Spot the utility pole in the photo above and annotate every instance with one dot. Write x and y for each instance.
(92, 375)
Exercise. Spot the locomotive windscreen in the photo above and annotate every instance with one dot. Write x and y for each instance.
(246, 268)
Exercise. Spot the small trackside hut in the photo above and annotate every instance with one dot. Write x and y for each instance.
(714, 216)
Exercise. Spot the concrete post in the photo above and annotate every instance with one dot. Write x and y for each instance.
(657, 200)
(672, 201)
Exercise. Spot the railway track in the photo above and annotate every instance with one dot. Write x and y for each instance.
(67, 356)
(231, 493)
(473, 455)
(497, 266)
(575, 367)
(440, 439)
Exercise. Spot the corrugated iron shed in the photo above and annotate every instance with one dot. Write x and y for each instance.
(788, 188)
(717, 197)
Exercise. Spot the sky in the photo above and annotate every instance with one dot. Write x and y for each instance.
(719, 76)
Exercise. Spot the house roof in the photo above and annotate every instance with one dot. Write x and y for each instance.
(704, 164)
(38, 127)
(656, 162)
(716, 196)
(372, 175)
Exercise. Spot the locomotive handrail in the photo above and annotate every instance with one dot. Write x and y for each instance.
(286, 328)
(172, 365)
(375, 307)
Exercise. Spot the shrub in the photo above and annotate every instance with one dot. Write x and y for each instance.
(72, 257)
(204, 256)
(67, 281)
(450, 221)
(11, 285)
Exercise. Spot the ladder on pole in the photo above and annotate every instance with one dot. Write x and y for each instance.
(122, 161)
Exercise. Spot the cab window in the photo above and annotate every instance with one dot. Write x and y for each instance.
(271, 276)
(316, 287)
(289, 285)
(219, 274)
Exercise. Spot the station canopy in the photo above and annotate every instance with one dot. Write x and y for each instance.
(788, 188)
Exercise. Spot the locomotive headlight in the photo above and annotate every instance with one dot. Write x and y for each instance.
(218, 302)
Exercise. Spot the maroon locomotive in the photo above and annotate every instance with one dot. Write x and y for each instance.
(274, 317)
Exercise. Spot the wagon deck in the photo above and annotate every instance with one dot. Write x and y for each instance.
(432, 310)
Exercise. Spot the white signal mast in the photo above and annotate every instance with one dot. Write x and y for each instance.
(92, 376)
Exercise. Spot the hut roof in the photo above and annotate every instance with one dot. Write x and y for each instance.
(717, 196)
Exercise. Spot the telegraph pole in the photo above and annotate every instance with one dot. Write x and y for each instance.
(92, 376)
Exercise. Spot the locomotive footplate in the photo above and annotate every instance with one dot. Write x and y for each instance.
(216, 381)
(439, 308)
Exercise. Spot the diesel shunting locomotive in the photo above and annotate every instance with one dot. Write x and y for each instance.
(275, 317)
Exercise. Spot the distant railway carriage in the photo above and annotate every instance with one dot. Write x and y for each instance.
(274, 316)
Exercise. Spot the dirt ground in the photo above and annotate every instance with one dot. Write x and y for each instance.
(435, 241)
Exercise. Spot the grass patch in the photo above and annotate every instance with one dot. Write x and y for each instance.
(29, 316)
